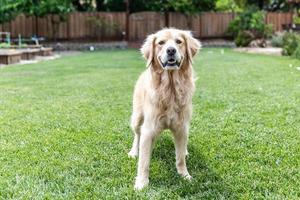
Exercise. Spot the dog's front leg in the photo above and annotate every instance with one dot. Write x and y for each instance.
(147, 137)
(181, 140)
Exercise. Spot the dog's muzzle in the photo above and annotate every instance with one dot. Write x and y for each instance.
(172, 60)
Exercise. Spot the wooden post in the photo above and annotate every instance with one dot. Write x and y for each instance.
(200, 25)
(167, 21)
(127, 3)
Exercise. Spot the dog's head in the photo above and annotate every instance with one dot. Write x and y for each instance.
(170, 48)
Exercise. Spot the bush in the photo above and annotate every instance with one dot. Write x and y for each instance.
(277, 39)
(296, 53)
(4, 45)
(243, 38)
(251, 21)
(290, 42)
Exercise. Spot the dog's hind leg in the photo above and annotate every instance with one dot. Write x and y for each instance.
(136, 122)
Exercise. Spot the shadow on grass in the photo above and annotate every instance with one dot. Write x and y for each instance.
(205, 184)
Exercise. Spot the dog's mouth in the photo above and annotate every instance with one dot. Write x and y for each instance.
(171, 64)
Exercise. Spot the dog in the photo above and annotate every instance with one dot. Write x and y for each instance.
(162, 98)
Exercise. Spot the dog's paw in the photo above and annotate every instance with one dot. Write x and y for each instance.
(132, 154)
(140, 183)
(185, 175)
(188, 177)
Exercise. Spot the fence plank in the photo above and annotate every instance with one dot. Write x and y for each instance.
(214, 24)
(79, 26)
(143, 23)
(277, 19)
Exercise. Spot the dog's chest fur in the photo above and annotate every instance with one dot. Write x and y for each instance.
(172, 96)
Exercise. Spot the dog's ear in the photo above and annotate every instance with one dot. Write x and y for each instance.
(192, 45)
(148, 49)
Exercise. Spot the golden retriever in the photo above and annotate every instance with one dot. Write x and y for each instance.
(163, 98)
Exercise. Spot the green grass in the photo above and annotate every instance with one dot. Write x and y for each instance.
(64, 130)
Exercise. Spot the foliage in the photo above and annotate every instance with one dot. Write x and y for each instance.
(44, 7)
(243, 38)
(228, 5)
(296, 19)
(249, 23)
(111, 5)
(290, 42)
(59, 8)
(296, 53)
(241, 5)
(185, 6)
(4, 45)
(9, 9)
(277, 39)
(83, 5)
(277, 5)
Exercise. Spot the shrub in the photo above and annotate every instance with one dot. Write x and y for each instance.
(4, 45)
(277, 39)
(252, 21)
(296, 19)
(296, 53)
(290, 42)
(243, 38)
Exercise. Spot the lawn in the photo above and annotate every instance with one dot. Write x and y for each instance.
(64, 129)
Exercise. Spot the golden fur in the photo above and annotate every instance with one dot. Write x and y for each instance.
(163, 99)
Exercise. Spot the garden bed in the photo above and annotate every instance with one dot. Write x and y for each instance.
(46, 51)
(29, 54)
(10, 56)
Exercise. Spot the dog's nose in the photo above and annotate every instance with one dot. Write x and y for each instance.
(171, 51)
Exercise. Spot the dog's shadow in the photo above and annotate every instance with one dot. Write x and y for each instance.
(205, 183)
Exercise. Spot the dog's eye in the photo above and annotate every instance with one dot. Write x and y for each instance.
(161, 43)
(178, 41)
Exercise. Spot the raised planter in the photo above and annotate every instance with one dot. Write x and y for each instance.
(23, 47)
(29, 54)
(10, 56)
(46, 51)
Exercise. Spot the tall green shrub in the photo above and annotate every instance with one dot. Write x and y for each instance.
(290, 42)
(248, 26)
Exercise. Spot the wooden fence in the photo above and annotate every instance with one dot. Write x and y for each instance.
(112, 25)
(78, 25)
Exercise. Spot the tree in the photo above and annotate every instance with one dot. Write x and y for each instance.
(275, 5)
(40, 8)
(83, 5)
(184, 6)
(228, 5)
(9, 9)
(240, 5)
